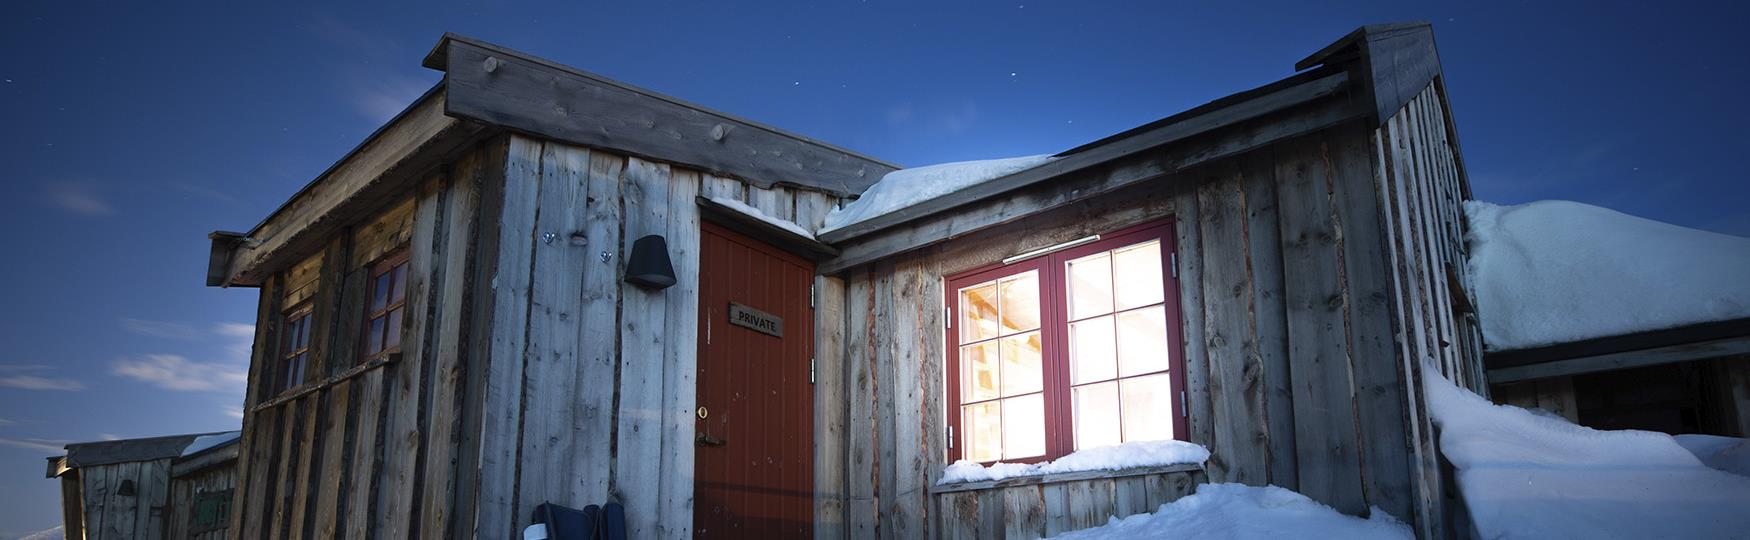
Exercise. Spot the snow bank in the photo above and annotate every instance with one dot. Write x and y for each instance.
(756, 213)
(1105, 458)
(1528, 476)
(907, 187)
(1558, 271)
(1729, 454)
(204, 442)
(57, 532)
(1221, 511)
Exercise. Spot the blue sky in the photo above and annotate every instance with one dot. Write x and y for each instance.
(130, 131)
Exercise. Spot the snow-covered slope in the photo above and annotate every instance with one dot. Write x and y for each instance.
(1558, 271)
(907, 187)
(1730, 454)
(1525, 475)
(1238, 511)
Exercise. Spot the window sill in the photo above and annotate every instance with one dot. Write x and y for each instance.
(1063, 477)
(309, 388)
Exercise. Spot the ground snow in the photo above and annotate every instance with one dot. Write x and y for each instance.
(756, 213)
(1105, 458)
(1730, 454)
(1557, 271)
(204, 442)
(1528, 476)
(1236, 511)
(57, 532)
(907, 187)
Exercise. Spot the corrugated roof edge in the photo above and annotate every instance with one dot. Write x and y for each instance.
(94, 453)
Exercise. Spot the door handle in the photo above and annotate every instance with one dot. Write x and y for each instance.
(707, 440)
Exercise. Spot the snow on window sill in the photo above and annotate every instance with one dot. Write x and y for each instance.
(1129, 459)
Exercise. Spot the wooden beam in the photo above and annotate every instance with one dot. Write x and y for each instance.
(1397, 60)
(508, 88)
(1082, 159)
(1136, 167)
(387, 163)
(1682, 352)
(1064, 477)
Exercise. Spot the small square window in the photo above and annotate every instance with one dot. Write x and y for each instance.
(385, 310)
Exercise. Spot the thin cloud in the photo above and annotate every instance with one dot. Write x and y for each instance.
(77, 198)
(203, 191)
(160, 329)
(33, 382)
(48, 445)
(7, 422)
(234, 411)
(14, 368)
(173, 372)
(235, 329)
(379, 97)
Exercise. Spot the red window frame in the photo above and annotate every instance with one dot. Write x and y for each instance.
(394, 268)
(1054, 331)
(294, 357)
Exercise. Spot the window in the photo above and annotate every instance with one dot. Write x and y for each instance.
(1073, 349)
(387, 298)
(294, 347)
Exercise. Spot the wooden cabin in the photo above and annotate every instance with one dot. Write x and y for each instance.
(176, 487)
(465, 317)
(1689, 379)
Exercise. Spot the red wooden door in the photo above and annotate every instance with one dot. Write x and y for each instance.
(754, 429)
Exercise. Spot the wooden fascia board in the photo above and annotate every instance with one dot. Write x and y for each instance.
(521, 92)
(394, 157)
(1681, 352)
(1159, 136)
(801, 246)
(1396, 61)
(1141, 165)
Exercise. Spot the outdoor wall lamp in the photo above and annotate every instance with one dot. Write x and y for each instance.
(649, 266)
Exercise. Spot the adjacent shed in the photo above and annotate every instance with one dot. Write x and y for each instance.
(159, 487)
(539, 285)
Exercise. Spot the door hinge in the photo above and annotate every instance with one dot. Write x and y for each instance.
(948, 315)
(811, 296)
(950, 436)
(810, 371)
(1174, 255)
(1182, 404)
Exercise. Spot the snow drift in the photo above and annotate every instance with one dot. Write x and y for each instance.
(1236, 511)
(1557, 271)
(1105, 458)
(1524, 475)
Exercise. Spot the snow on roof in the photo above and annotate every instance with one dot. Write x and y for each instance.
(907, 187)
(1524, 475)
(1222, 511)
(1557, 271)
(758, 214)
(1105, 458)
(203, 442)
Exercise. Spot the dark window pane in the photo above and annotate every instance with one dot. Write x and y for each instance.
(398, 287)
(304, 332)
(379, 292)
(374, 337)
(393, 332)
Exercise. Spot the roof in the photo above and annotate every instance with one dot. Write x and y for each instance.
(129, 450)
(1396, 62)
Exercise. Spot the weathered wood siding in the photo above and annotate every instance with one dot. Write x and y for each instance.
(1298, 364)
(590, 391)
(108, 513)
(183, 491)
(370, 449)
(1053, 507)
(1420, 183)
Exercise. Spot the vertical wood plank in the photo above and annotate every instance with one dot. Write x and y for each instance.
(300, 480)
(776, 201)
(1190, 284)
(680, 385)
(366, 451)
(901, 306)
(596, 362)
(1269, 324)
(1025, 509)
(829, 406)
(728, 188)
(253, 449)
(1130, 496)
(960, 515)
(643, 344)
(124, 511)
(1325, 429)
(154, 491)
(502, 379)
(446, 361)
(860, 342)
(1380, 403)
(328, 486)
(403, 438)
(550, 356)
(1057, 504)
(1235, 374)
(96, 488)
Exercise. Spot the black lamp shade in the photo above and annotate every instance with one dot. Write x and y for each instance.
(649, 266)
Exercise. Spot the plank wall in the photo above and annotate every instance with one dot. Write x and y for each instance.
(1294, 373)
(184, 489)
(110, 514)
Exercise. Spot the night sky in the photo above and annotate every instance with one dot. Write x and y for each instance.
(131, 131)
